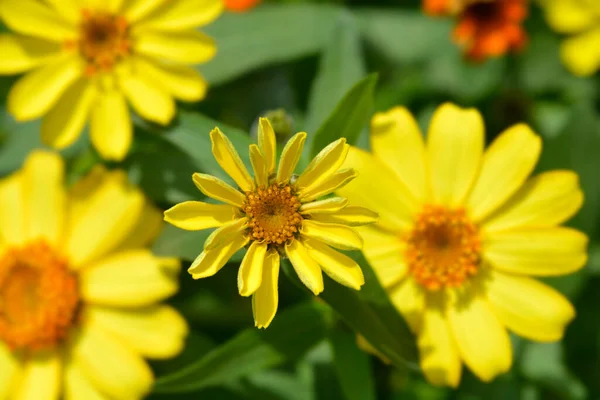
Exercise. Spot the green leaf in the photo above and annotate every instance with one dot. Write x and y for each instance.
(543, 363)
(290, 335)
(404, 36)
(369, 312)
(341, 66)
(187, 245)
(269, 34)
(353, 367)
(349, 117)
(191, 135)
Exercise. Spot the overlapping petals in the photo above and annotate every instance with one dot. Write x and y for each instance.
(516, 218)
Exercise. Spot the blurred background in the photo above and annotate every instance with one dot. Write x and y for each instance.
(294, 60)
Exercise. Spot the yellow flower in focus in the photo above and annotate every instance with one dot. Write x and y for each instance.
(80, 291)
(460, 231)
(89, 59)
(581, 20)
(277, 215)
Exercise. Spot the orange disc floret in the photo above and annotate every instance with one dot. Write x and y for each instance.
(439, 7)
(273, 214)
(39, 297)
(491, 28)
(443, 249)
(241, 5)
(104, 40)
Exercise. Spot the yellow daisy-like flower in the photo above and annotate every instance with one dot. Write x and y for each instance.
(90, 58)
(80, 291)
(460, 231)
(276, 215)
(581, 19)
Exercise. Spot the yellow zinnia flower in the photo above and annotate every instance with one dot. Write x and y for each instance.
(92, 57)
(276, 215)
(459, 232)
(79, 289)
(581, 19)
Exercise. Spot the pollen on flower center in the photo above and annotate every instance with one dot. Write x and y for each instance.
(104, 40)
(273, 214)
(443, 249)
(39, 297)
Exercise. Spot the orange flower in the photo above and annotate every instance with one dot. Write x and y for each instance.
(486, 28)
(240, 5)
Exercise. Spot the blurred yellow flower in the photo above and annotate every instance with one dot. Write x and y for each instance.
(581, 20)
(460, 230)
(277, 216)
(90, 58)
(79, 289)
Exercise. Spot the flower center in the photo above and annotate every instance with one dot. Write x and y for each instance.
(273, 214)
(104, 41)
(443, 249)
(39, 297)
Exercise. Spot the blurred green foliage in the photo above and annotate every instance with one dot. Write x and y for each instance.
(312, 58)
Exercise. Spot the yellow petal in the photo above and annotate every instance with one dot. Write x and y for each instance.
(34, 18)
(351, 215)
(156, 331)
(455, 144)
(290, 156)
(110, 130)
(180, 81)
(327, 206)
(409, 298)
(226, 233)
(339, 236)
(331, 184)
(229, 159)
(10, 371)
(581, 53)
(482, 341)
(148, 100)
(305, 266)
(397, 141)
(267, 143)
(196, 215)
(103, 216)
(323, 165)
(12, 210)
(65, 121)
(336, 265)
(133, 278)
(102, 358)
(388, 196)
(22, 53)
(68, 9)
(187, 47)
(218, 190)
(40, 379)
(176, 15)
(34, 94)
(529, 308)
(266, 299)
(569, 16)
(440, 361)
(545, 200)
(385, 252)
(539, 252)
(44, 196)
(145, 230)
(77, 386)
(209, 262)
(259, 166)
(134, 10)
(505, 166)
(251, 270)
